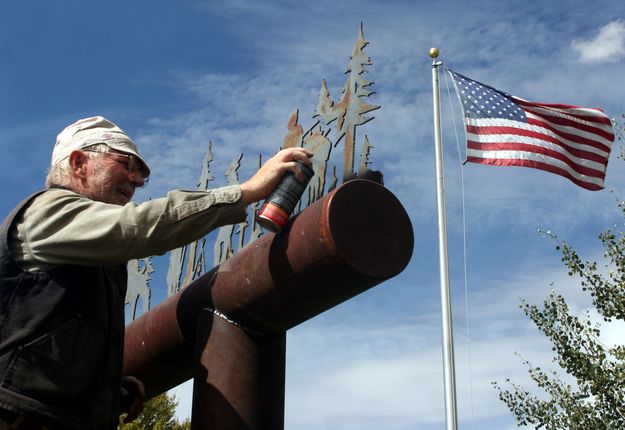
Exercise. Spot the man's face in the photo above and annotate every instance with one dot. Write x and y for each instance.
(110, 179)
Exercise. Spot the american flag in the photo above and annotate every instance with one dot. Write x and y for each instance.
(504, 130)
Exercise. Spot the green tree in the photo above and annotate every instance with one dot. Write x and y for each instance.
(158, 414)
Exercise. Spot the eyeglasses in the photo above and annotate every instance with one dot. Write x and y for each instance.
(132, 163)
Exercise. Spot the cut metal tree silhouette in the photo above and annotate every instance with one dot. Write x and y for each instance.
(318, 143)
(256, 230)
(295, 132)
(350, 111)
(223, 248)
(364, 156)
(139, 272)
(189, 262)
(196, 259)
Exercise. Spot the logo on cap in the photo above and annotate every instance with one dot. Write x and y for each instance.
(106, 136)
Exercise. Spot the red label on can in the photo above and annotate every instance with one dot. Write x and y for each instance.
(273, 213)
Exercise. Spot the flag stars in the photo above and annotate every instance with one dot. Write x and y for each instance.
(480, 101)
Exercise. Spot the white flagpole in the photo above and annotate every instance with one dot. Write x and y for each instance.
(451, 413)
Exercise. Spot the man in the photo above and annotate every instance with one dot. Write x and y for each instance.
(63, 255)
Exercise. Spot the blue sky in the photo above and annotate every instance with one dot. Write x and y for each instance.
(175, 75)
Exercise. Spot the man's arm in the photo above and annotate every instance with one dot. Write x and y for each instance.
(63, 227)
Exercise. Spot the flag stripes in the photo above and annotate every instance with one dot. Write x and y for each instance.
(540, 148)
(573, 135)
(513, 134)
(513, 158)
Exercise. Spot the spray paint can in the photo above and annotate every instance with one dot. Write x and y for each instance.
(278, 207)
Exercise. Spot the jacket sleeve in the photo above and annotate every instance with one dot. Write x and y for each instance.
(62, 227)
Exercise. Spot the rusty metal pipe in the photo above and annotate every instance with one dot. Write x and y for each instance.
(355, 237)
(239, 377)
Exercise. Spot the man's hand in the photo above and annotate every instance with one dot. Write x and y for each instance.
(132, 396)
(266, 179)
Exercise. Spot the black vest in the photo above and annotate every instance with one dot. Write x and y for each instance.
(61, 340)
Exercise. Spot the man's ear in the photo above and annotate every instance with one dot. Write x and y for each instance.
(78, 164)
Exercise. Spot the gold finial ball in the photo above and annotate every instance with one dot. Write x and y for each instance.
(434, 52)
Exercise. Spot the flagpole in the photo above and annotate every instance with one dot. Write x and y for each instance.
(451, 414)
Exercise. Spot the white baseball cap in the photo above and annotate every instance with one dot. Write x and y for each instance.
(91, 131)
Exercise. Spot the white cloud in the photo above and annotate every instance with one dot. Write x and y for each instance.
(608, 46)
(357, 383)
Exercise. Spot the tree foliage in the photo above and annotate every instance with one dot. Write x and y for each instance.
(592, 394)
(158, 414)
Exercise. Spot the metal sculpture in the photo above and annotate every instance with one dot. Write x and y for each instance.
(256, 231)
(227, 328)
(318, 142)
(350, 111)
(223, 244)
(139, 272)
(189, 262)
